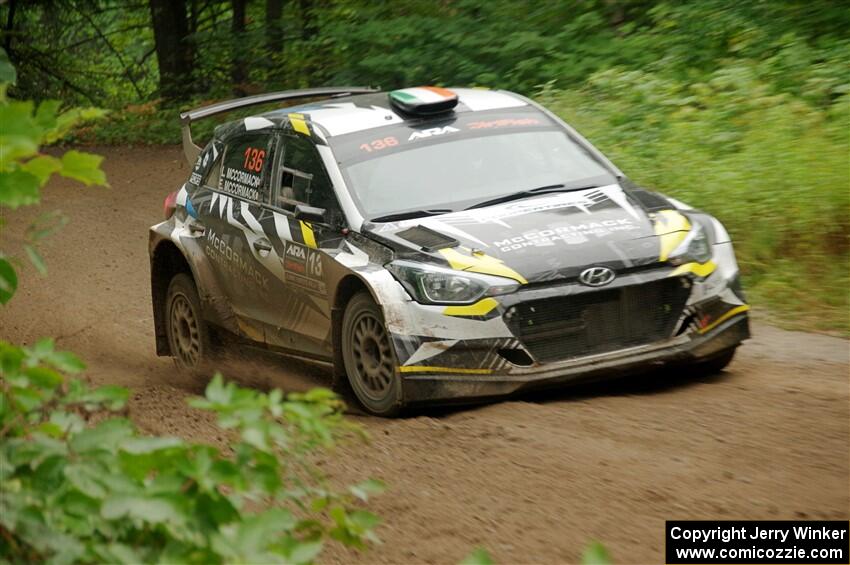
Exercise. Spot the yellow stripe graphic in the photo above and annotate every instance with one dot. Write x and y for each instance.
(424, 369)
(298, 123)
(480, 308)
(480, 263)
(307, 234)
(724, 317)
(701, 269)
(671, 227)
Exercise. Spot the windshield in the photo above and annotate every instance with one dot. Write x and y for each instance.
(395, 171)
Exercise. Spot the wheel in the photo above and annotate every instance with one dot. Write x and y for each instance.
(368, 357)
(718, 362)
(188, 334)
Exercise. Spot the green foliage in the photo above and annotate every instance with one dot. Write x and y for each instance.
(595, 554)
(80, 484)
(771, 166)
(479, 556)
(24, 170)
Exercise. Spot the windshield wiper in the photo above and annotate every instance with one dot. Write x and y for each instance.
(411, 214)
(530, 192)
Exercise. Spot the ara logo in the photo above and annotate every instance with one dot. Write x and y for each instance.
(296, 251)
(421, 134)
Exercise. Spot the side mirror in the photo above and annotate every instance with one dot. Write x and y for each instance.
(310, 213)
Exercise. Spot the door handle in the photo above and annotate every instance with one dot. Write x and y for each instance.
(196, 228)
(263, 245)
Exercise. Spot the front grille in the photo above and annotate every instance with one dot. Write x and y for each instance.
(562, 327)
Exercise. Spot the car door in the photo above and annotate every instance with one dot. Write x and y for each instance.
(242, 255)
(305, 217)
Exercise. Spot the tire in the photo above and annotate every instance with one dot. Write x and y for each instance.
(718, 362)
(368, 356)
(188, 334)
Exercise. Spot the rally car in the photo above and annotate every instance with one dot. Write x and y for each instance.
(434, 244)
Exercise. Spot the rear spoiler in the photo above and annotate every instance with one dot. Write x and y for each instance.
(186, 118)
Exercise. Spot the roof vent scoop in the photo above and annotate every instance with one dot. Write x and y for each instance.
(423, 100)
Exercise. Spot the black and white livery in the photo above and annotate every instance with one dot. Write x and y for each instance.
(434, 245)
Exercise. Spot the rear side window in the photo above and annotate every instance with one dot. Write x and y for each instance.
(244, 171)
(214, 175)
(303, 179)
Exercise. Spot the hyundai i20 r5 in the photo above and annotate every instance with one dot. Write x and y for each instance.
(434, 245)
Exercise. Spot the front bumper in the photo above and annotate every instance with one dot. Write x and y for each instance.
(683, 349)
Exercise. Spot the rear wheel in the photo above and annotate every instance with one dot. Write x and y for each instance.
(188, 334)
(368, 357)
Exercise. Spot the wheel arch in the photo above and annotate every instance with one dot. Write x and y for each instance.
(166, 261)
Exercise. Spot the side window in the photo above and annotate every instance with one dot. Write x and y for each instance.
(244, 167)
(303, 179)
(214, 174)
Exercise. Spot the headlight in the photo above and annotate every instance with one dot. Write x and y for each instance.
(696, 247)
(429, 284)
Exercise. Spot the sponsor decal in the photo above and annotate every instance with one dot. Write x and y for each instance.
(506, 122)
(237, 266)
(431, 132)
(570, 234)
(303, 267)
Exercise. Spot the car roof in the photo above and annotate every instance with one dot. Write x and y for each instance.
(348, 114)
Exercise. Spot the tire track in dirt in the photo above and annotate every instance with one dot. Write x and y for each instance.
(532, 479)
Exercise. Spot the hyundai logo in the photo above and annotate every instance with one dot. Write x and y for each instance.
(596, 276)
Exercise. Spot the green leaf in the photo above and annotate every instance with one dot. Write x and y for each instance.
(8, 281)
(65, 361)
(118, 553)
(35, 259)
(87, 479)
(143, 445)
(7, 69)
(305, 552)
(45, 224)
(366, 488)
(47, 113)
(112, 397)
(42, 167)
(105, 436)
(363, 519)
(155, 510)
(43, 377)
(18, 188)
(84, 167)
(479, 556)
(595, 554)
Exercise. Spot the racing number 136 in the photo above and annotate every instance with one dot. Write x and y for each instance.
(379, 144)
(254, 159)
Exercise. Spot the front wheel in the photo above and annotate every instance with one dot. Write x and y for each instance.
(188, 334)
(369, 359)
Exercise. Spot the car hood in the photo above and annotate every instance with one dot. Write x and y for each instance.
(543, 238)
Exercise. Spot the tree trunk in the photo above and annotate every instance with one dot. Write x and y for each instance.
(238, 69)
(8, 30)
(174, 52)
(274, 26)
(308, 19)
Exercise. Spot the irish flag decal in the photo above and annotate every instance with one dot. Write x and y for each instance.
(423, 100)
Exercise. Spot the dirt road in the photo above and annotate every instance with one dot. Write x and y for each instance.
(533, 479)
